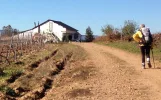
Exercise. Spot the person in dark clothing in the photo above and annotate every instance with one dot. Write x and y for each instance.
(144, 38)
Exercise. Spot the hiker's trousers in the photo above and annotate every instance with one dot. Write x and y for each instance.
(145, 50)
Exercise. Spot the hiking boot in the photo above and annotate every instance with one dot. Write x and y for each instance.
(143, 65)
(149, 65)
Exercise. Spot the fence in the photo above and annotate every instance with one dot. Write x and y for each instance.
(13, 47)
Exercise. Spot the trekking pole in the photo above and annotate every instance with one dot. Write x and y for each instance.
(153, 57)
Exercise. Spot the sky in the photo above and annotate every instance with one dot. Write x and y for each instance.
(80, 14)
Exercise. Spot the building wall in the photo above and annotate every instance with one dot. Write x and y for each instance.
(45, 28)
(25, 35)
(52, 27)
(58, 30)
(49, 27)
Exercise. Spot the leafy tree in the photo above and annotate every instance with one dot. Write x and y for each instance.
(89, 35)
(8, 30)
(108, 30)
(129, 28)
(15, 31)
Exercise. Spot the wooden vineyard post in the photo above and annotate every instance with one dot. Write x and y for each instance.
(28, 43)
(22, 40)
(0, 50)
(0, 36)
(0, 57)
(14, 49)
(31, 41)
(25, 43)
(18, 44)
(10, 47)
(7, 59)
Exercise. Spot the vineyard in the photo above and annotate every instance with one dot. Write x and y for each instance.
(12, 48)
(34, 75)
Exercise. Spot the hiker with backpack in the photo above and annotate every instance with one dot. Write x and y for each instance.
(144, 37)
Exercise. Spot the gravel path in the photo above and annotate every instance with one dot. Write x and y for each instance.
(115, 75)
(121, 76)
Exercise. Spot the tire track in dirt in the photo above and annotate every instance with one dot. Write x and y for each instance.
(121, 77)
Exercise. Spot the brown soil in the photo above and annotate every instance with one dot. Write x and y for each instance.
(111, 74)
(104, 74)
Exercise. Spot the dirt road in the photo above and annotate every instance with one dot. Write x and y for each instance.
(120, 75)
(87, 71)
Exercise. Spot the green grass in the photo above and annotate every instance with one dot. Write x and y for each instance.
(7, 90)
(132, 47)
(127, 46)
(8, 72)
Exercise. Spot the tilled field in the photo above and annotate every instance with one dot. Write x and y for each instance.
(37, 78)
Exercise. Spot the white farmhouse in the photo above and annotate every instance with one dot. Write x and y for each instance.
(56, 30)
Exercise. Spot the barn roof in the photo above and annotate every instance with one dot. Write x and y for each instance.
(58, 22)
